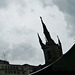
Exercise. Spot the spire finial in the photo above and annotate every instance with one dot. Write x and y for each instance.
(41, 18)
(46, 32)
(60, 46)
(40, 41)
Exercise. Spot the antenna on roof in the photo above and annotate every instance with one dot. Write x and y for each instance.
(4, 56)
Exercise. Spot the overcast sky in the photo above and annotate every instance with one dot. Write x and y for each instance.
(20, 23)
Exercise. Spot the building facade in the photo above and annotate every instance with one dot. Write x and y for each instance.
(10, 69)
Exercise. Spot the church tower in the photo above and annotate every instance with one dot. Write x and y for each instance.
(52, 51)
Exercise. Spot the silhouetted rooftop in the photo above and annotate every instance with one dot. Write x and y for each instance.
(64, 63)
(4, 62)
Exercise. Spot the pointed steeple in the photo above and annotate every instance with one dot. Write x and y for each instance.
(59, 44)
(41, 43)
(52, 51)
(47, 35)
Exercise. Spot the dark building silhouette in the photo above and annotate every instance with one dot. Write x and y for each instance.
(52, 51)
(56, 61)
(64, 64)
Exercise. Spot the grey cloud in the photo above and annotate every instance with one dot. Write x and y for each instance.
(3, 3)
(46, 3)
(68, 7)
(23, 52)
(22, 31)
(3, 45)
(6, 3)
(21, 2)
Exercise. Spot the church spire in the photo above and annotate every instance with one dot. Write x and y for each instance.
(47, 35)
(52, 51)
(40, 41)
(59, 44)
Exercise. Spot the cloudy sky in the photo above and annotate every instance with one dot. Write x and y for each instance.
(20, 23)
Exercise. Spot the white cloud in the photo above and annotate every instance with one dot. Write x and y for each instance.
(67, 6)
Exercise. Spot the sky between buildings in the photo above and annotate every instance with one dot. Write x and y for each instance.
(20, 23)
